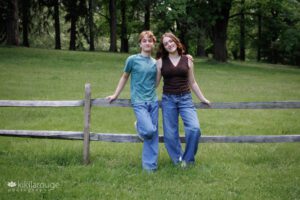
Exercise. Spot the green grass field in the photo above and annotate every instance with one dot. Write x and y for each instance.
(52, 169)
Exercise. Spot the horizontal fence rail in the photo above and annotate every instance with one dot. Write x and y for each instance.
(87, 136)
(20, 103)
(111, 137)
(127, 103)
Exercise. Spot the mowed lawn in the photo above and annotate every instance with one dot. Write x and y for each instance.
(52, 169)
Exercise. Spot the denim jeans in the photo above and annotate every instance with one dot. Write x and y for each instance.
(172, 107)
(147, 127)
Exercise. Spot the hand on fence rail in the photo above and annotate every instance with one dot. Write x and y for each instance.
(126, 103)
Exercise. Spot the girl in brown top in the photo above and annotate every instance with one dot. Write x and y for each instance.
(178, 74)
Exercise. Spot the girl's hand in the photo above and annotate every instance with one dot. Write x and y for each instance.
(207, 102)
(111, 98)
(190, 57)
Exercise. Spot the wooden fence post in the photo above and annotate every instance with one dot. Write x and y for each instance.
(86, 131)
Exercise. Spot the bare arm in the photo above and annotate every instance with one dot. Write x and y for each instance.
(190, 57)
(120, 87)
(158, 71)
(194, 85)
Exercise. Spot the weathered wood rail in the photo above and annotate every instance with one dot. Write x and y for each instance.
(86, 136)
(126, 103)
(123, 137)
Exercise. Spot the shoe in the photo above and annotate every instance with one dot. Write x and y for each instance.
(180, 159)
(186, 165)
(183, 165)
(139, 136)
(149, 171)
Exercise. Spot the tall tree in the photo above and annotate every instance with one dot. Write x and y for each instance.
(259, 32)
(25, 6)
(124, 38)
(91, 25)
(53, 9)
(113, 25)
(75, 9)
(147, 4)
(242, 31)
(12, 24)
(3, 18)
(183, 26)
(57, 24)
(201, 25)
(73, 19)
(219, 29)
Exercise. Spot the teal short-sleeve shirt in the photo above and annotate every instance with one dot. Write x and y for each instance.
(143, 78)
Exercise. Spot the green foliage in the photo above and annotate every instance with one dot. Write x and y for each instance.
(191, 20)
(280, 20)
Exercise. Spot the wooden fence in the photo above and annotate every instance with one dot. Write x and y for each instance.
(86, 136)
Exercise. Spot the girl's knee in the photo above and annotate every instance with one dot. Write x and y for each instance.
(150, 132)
(195, 130)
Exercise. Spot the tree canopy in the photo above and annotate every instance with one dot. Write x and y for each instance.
(265, 30)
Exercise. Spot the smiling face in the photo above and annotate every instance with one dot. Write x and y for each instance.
(147, 44)
(169, 44)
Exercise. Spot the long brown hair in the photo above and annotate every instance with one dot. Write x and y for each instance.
(162, 52)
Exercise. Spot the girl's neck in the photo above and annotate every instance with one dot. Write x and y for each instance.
(174, 54)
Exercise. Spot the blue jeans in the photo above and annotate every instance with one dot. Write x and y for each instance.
(147, 127)
(172, 107)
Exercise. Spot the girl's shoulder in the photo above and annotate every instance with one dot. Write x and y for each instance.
(185, 57)
(159, 62)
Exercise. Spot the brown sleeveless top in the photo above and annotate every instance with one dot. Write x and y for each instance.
(175, 77)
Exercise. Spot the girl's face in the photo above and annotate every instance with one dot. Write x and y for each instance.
(169, 44)
(147, 44)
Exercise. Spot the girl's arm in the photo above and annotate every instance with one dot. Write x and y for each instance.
(194, 85)
(121, 84)
(158, 71)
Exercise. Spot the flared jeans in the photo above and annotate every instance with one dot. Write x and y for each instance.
(147, 127)
(172, 107)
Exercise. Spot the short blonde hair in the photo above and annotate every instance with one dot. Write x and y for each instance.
(147, 33)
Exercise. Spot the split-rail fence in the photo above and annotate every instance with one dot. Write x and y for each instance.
(86, 136)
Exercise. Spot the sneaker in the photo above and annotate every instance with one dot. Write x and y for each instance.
(186, 165)
(139, 136)
(183, 165)
(180, 159)
(149, 171)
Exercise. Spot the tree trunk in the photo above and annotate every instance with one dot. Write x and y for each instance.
(113, 26)
(242, 32)
(12, 24)
(182, 27)
(73, 34)
(91, 24)
(259, 37)
(201, 45)
(220, 32)
(25, 21)
(57, 25)
(124, 39)
(200, 50)
(74, 18)
(147, 15)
